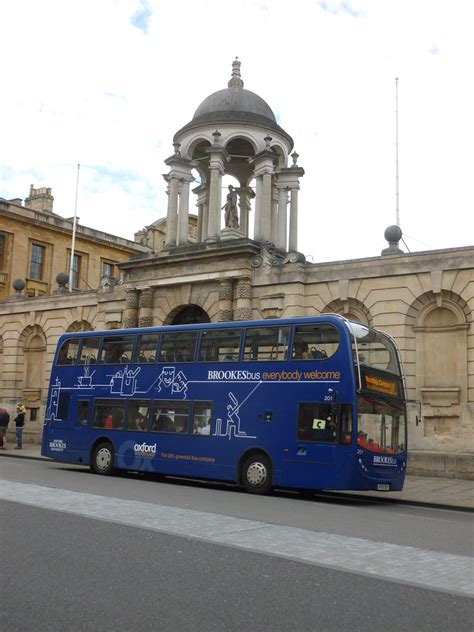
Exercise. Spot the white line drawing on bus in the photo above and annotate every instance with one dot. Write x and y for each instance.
(52, 409)
(85, 381)
(232, 425)
(124, 382)
(170, 381)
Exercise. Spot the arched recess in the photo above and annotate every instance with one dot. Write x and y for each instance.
(352, 309)
(32, 350)
(440, 326)
(80, 325)
(186, 315)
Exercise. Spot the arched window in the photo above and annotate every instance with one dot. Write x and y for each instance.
(189, 315)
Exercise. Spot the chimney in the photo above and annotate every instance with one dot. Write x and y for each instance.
(40, 199)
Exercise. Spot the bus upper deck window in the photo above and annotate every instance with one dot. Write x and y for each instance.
(315, 342)
(68, 352)
(220, 345)
(266, 343)
(178, 346)
(89, 350)
(116, 350)
(146, 348)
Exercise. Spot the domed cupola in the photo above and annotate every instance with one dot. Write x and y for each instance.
(234, 133)
(235, 105)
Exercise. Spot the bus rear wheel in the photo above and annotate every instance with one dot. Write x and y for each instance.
(102, 461)
(256, 475)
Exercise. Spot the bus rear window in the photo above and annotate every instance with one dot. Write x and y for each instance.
(68, 352)
(266, 343)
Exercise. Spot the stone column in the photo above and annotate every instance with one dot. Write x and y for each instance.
(244, 215)
(205, 219)
(293, 241)
(266, 206)
(274, 215)
(243, 299)
(183, 219)
(172, 213)
(257, 230)
(145, 318)
(131, 308)
(282, 219)
(225, 300)
(217, 160)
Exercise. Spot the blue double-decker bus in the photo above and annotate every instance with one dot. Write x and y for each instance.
(313, 403)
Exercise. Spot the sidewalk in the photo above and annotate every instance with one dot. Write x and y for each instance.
(418, 490)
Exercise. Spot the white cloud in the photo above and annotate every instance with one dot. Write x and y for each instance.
(107, 84)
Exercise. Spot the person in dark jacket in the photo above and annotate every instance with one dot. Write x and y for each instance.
(20, 424)
(4, 421)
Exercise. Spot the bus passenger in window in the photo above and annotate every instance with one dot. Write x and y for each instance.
(301, 350)
(108, 423)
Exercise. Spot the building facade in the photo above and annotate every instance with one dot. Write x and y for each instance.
(239, 260)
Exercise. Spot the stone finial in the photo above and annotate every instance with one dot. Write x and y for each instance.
(19, 285)
(62, 279)
(295, 157)
(216, 135)
(268, 139)
(393, 234)
(236, 80)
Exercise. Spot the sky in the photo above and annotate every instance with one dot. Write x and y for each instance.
(106, 84)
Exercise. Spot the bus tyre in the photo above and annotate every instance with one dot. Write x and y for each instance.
(257, 474)
(102, 461)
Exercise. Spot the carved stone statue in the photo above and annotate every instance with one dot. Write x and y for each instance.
(231, 216)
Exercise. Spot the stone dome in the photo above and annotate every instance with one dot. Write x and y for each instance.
(234, 105)
(234, 99)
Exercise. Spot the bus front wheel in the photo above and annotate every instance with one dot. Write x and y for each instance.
(102, 461)
(257, 474)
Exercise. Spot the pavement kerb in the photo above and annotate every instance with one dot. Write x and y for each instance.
(330, 494)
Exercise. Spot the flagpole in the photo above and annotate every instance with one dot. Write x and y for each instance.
(74, 231)
(397, 195)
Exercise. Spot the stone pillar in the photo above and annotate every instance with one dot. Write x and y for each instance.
(215, 198)
(267, 206)
(131, 308)
(282, 219)
(257, 231)
(243, 299)
(183, 219)
(172, 213)
(293, 241)
(145, 318)
(244, 214)
(274, 215)
(205, 219)
(225, 300)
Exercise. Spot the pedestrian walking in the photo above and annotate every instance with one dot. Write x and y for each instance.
(4, 421)
(20, 424)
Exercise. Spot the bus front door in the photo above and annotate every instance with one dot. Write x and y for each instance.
(311, 462)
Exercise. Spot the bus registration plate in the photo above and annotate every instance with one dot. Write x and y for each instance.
(383, 487)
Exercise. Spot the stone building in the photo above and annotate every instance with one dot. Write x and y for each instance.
(241, 261)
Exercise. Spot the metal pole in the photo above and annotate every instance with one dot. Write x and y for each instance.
(74, 231)
(397, 202)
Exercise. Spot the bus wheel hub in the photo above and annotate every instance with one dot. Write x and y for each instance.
(256, 474)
